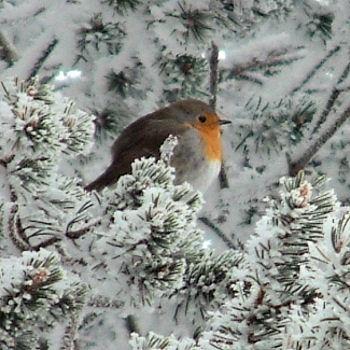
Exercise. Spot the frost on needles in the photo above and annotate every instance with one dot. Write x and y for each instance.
(149, 233)
(40, 130)
(138, 244)
(132, 245)
(291, 289)
(294, 291)
(36, 296)
(39, 299)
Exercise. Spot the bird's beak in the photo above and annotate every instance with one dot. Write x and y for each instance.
(224, 122)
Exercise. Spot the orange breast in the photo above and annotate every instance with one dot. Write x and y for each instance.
(212, 140)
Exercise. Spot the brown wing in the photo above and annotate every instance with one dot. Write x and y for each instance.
(142, 138)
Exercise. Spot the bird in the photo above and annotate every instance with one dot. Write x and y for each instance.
(197, 157)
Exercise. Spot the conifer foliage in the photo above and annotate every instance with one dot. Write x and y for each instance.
(83, 270)
(36, 296)
(291, 290)
(38, 129)
(286, 288)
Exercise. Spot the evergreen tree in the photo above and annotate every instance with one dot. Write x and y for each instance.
(75, 266)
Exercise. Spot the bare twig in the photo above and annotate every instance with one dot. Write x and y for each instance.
(300, 163)
(213, 88)
(217, 231)
(332, 98)
(213, 64)
(7, 50)
(316, 68)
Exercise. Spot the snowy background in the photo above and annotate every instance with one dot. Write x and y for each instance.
(283, 81)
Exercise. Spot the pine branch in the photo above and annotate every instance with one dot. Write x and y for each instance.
(274, 58)
(100, 301)
(47, 243)
(39, 63)
(82, 231)
(316, 68)
(20, 230)
(300, 163)
(249, 76)
(122, 6)
(8, 51)
(14, 228)
(70, 334)
(70, 260)
(37, 293)
(243, 71)
(76, 234)
(336, 91)
(218, 232)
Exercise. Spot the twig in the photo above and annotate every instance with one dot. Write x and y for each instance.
(248, 76)
(223, 179)
(213, 66)
(241, 69)
(69, 260)
(47, 243)
(20, 230)
(13, 227)
(299, 164)
(6, 160)
(217, 231)
(70, 334)
(274, 58)
(332, 98)
(100, 301)
(70, 234)
(249, 134)
(39, 63)
(8, 51)
(316, 68)
(213, 88)
(82, 231)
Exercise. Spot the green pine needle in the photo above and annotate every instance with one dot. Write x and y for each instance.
(122, 6)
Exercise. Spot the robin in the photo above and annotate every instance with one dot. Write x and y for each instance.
(197, 157)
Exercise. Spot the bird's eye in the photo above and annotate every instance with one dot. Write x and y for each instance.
(202, 118)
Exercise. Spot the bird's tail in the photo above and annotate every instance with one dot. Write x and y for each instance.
(94, 185)
(105, 179)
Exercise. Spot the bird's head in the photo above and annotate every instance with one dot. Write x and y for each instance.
(198, 114)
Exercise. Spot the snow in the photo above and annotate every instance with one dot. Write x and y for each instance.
(152, 36)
